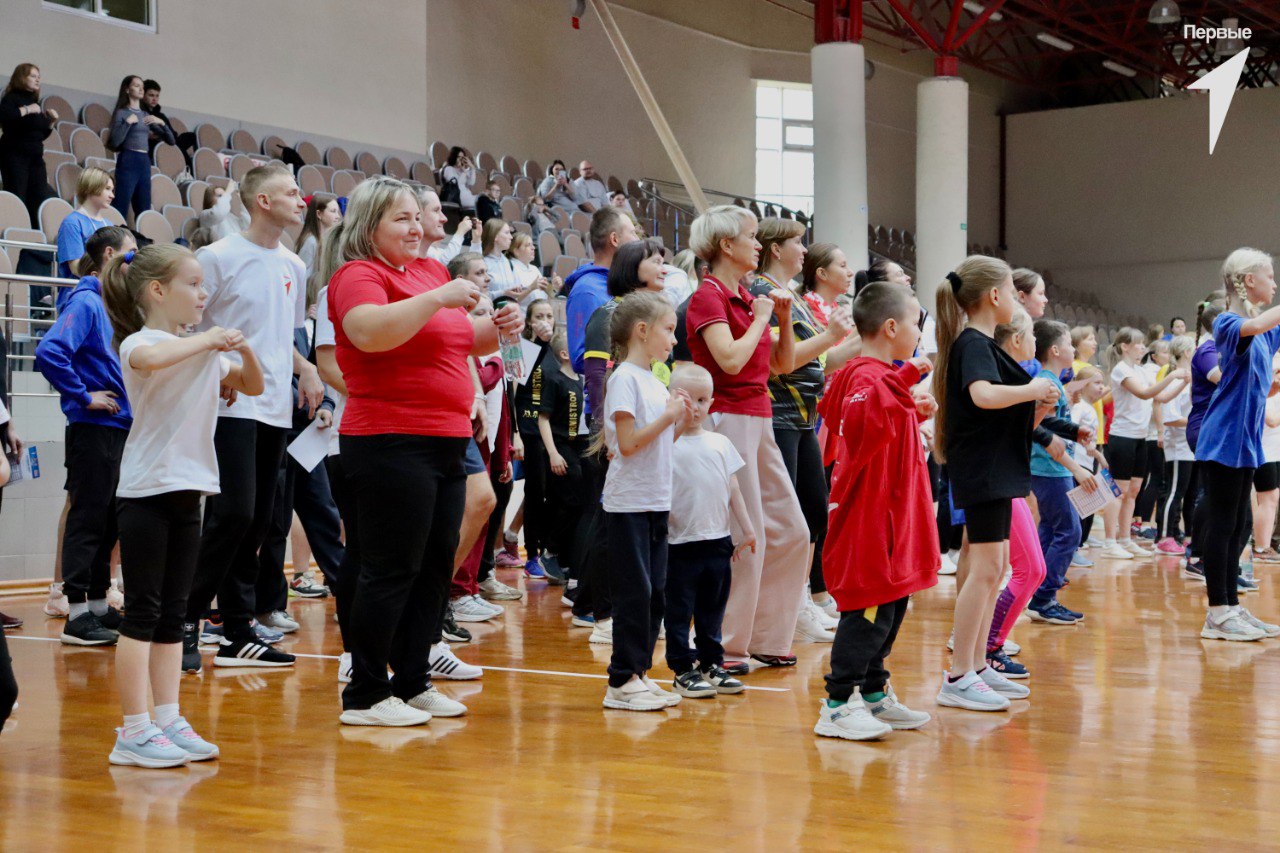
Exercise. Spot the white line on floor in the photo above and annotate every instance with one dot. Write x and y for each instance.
(494, 668)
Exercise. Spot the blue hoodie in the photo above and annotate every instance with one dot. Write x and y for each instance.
(587, 292)
(77, 357)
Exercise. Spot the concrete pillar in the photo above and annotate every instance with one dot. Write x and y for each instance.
(840, 148)
(942, 181)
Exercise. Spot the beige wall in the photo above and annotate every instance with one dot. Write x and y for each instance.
(1125, 201)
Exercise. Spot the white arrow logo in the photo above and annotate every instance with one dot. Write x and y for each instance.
(1221, 83)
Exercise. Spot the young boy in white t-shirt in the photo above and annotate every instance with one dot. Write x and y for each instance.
(700, 550)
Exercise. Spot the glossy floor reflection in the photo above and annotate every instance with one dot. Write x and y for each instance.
(1138, 734)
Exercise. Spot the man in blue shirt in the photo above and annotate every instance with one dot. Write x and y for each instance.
(610, 228)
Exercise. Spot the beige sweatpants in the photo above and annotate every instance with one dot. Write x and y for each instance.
(763, 602)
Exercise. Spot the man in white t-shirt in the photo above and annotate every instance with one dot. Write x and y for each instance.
(258, 286)
(592, 193)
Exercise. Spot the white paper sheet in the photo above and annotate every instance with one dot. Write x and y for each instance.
(530, 351)
(311, 445)
(1087, 503)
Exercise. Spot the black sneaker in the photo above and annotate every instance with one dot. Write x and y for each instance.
(191, 648)
(739, 667)
(452, 632)
(1244, 584)
(692, 685)
(86, 630)
(111, 620)
(1005, 665)
(1074, 613)
(720, 678)
(556, 575)
(250, 653)
(1194, 570)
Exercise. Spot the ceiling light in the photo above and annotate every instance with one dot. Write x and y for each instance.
(1164, 12)
(1054, 41)
(978, 9)
(1119, 69)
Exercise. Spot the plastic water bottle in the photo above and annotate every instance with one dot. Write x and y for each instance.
(509, 346)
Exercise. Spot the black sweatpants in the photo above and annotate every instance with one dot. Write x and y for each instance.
(594, 580)
(1145, 506)
(93, 472)
(1173, 491)
(863, 641)
(698, 578)
(409, 493)
(309, 494)
(236, 521)
(638, 577)
(802, 455)
(159, 547)
(535, 493)
(1227, 520)
(343, 584)
(565, 502)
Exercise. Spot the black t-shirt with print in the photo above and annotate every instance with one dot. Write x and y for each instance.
(988, 450)
(562, 403)
(529, 395)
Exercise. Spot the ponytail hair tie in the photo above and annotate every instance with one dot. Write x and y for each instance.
(128, 256)
(955, 280)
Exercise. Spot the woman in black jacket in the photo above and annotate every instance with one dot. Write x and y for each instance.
(24, 126)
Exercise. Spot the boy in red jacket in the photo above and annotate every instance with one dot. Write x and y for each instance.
(882, 542)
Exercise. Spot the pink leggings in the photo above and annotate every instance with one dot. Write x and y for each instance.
(1028, 573)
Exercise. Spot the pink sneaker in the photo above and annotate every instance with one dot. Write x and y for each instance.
(1169, 545)
(504, 560)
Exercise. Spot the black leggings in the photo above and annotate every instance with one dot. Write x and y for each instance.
(1173, 491)
(93, 471)
(1226, 526)
(803, 458)
(1145, 507)
(535, 493)
(159, 546)
(409, 493)
(344, 582)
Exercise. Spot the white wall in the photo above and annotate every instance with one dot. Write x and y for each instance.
(1124, 200)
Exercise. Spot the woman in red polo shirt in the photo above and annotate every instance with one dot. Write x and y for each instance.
(403, 337)
(728, 333)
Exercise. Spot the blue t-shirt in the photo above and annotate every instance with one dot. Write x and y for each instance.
(1231, 433)
(1042, 464)
(73, 233)
(1203, 363)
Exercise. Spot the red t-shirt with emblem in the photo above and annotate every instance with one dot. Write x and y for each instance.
(423, 386)
(744, 393)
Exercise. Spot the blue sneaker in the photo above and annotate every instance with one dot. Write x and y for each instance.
(149, 749)
(1052, 614)
(1078, 616)
(1194, 569)
(185, 738)
(533, 569)
(1148, 533)
(266, 636)
(211, 633)
(1005, 665)
(587, 621)
(1243, 584)
(1080, 560)
(556, 575)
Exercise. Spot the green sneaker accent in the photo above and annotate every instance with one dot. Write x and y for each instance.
(874, 697)
(831, 703)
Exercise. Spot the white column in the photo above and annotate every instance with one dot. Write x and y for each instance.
(942, 181)
(840, 148)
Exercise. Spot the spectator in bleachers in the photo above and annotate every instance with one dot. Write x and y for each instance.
(94, 192)
(591, 191)
(217, 220)
(446, 250)
(539, 219)
(503, 278)
(619, 199)
(489, 205)
(132, 129)
(25, 125)
(459, 168)
(557, 190)
(186, 142)
(536, 286)
(322, 214)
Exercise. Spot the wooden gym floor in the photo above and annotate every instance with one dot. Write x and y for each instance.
(1138, 735)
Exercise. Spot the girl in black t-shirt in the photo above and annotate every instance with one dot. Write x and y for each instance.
(987, 407)
(539, 326)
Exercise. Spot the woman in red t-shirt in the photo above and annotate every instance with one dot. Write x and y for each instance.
(403, 337)
(728, 333)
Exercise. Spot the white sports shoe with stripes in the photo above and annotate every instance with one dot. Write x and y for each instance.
(445, 664)
(250, 653)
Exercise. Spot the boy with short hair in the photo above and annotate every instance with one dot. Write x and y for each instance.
(882, 543)
(701, 551)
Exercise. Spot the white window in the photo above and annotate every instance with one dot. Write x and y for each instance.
(135, 14)
(784, 144)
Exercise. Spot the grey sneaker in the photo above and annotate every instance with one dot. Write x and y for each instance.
(1003, 686)
(851, 721)
(970, 693)
(894, 714)
(185, 737)
(1266, 628)
(279, 621)
(1232, 627)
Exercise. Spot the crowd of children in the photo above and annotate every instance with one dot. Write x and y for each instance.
(761, 462)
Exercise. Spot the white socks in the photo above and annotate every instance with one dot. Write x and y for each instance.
(166, 714)
(76, 610)
(98, 607)
(1220, 612)
(135, 725)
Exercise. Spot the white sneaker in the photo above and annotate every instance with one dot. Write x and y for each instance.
(633, 696)
(851, 721)
(57, 606)
(278, 620)
(1134, 548)
(1232, 627)
(1266, 628)
(469, 608)
(495, 589)
(1003, 686)
(344, 668)
(497, 609)
(437, 704)
(948, 565)
(1012, 649)
(1094, 542)
(602, 633)
(893, 713)
(970, 693)
(830, 608)
(825, 619)
(115, 594)
(1116, 552)
(389, 712)
(808, 627)
(665, 695)
(445, 664)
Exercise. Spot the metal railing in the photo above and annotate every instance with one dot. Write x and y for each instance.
(34, 312)
(675, 196)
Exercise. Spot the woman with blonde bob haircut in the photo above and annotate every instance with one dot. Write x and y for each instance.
(728, 334)
(403, 339)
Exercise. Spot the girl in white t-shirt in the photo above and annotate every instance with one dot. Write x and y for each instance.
(172, 383)
(641, 424)
(1132, 393)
